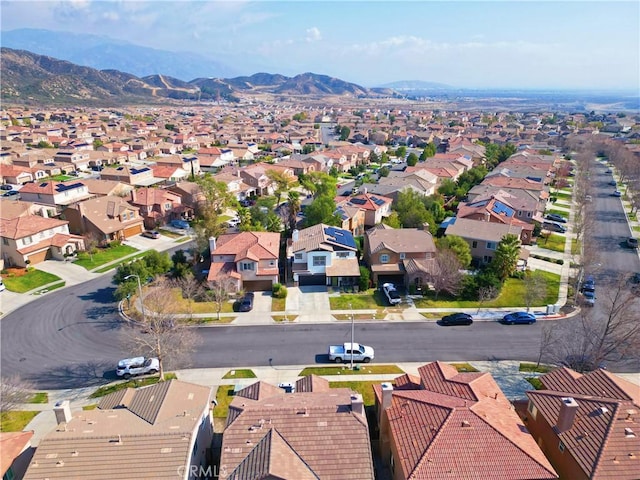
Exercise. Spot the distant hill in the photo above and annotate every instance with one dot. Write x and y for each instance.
(101, 52)
(29, 76)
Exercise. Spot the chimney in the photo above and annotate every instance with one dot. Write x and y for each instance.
(62, 410)
(568, 409)
(357, 404)
(387, 394)
(212, 244)
(295, 235)
(364, 190)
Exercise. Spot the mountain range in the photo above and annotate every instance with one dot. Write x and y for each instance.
(27, 76)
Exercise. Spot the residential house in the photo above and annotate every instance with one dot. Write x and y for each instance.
(76, 159)
(376, 207)
(190, 192)
(100, 187)
(235, 184)
(16, 453)
(403, 256)
(526, 201)
(249, 260)
(588, 425)
(159, 206)
(140, 176)
(315, 433)
(15, 174)
(483, 237)
(323, 255)
(352, 218)
(421, 181)
(215, 157)
(445, 424)
(30, 239)
(107, 218)
(162, 431)
(189, 163)
(57, 194)
(170, 173)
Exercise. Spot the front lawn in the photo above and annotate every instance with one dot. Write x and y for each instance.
(532, 367)
(23, 280)
(15, 420)
(39, 397)
(511, 295)
(562, 213)
(240, 373)
(103, 255)
(464, 367)
(224, 396)
(535, 382)
(369, 300)
(182, 305)
(133, 383)
(345, 370)
(363, 388)
(553, 242)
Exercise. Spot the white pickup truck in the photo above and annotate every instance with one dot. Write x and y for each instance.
(344, 352)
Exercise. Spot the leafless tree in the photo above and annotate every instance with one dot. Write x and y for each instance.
(485, 294)
(191, 289)
(447, 276)
(220, 292)
(535, 288)
(162, 333)
(13, 392)
(91, 243)
(548, 340)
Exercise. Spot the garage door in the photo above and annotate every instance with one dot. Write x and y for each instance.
(257, 286)
(39, 256)
(131, 231)
(312, 280)
(397, 280)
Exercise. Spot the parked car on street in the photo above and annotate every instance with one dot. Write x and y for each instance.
(616, 193)
(181, 224)
(244, 304)
(137, 366)
(345, 352)
(391, 293)
(518, 318)
(151, 234)
(11, 193)
(457, 319)
(6, 187)
(632, 242)
(588, 290)
(555, 218)
(554, 227)
(613, 183)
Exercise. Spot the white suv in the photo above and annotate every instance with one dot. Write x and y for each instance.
(137, 366)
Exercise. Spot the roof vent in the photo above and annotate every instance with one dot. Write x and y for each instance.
(603, 410)
(466, 424)
(628, 433)
(60, 463)
(75, 453)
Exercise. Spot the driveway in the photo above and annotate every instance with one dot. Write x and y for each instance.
(144, 243)
(310, 303)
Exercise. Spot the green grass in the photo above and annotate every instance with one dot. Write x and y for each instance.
(363, 388)
(29, 281)
(60, 178)
(125, 260)
(535, 382)
(103, 255)
(182, 305)
(224, 396)
(169, 233)
(345, 370)
(575, 246)
(55, 286)
(531, 367)
(16, 420)
(369, 300)
(553, 242)
(561, 195)
(39, 397)
(278, 304)
(464, 367)
(133, 383)
(93, 406)
(282, 318)
(240, 373)
(182, 240)
(511, 295)
(636, 228)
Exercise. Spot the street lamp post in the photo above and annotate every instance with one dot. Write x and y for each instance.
(139, 293)
(350, 308)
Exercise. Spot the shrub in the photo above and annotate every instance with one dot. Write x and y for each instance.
(279, 291)
(559, 261)
(519, 275)
(364, 280)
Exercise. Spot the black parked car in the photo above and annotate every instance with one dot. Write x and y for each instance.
(554, 227)
(244, 304)
(556, 218)
(457, 319)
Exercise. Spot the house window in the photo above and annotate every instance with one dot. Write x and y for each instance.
(27, 240)
(272, 263)
(529, 214)
(319, 261)
(384, 258)
(244, 266)
(532, 409)
(474, 244)
(561, 446)
(342, 254)
(167, 206)
(5, 241)
(298, 256)
(487, 258)
(132, 215)
(491, 245)
(403, 256)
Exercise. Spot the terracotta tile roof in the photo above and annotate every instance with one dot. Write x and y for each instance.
(127, 441)
(599, 383)
(103, 213)
(480, 230)
(343, 267)
(11, 445)
(259, 390)
(312, 383)
(319, 428)
(368, 201)
(154, 196)
(401, 240)
(219, 270)
(16, 208)
(252, 245)
(316, 238)
(21, 227)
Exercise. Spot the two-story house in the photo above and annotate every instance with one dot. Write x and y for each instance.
(30, 239)
(190, 192)
(403, 256)
(248, 260)
(107, 218)
(140, 176)
(57, 194)
(323, 255)
(76, 159)
(159, 206)
(159, 431)
(376, 207)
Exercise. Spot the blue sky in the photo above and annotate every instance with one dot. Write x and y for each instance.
(477, 44)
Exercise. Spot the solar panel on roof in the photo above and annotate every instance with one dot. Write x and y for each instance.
(62, 187)
(44, 184)
(358, 201)
(341, 237)
(377, 201)
(501, 208)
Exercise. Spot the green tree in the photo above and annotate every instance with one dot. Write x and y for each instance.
(429, 151)
(506, 257)
(411, 210)
(300, 117)
(392, 220)
(344, 133)
(97, 143)
(365, 278)
(447, 187)
(412, 159)
(457, 245)
(401, 152)
(383, 171)
(322, 210)
(216, 199)
(281, 181)
(43, 144)
(294, 205)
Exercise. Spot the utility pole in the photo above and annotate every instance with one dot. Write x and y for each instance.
(144, 318)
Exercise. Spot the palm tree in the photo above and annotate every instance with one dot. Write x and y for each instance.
(294, 208)
(506, 258)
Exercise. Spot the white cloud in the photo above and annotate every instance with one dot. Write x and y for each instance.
(313, 34)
